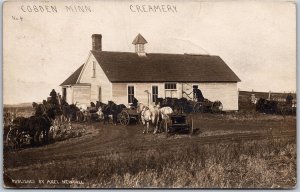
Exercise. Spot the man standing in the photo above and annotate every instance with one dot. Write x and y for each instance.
(198, 94)
(53, 95)
(135, 102)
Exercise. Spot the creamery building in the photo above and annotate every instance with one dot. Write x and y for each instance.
(120, 76)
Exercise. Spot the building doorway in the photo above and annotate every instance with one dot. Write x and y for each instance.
(64, 93)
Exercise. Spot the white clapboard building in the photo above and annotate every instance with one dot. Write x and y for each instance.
(120, 76)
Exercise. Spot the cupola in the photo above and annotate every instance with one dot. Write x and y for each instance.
(139, 43)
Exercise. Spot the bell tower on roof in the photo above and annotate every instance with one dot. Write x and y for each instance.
(139, 42)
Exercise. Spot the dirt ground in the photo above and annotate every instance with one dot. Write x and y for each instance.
(102, 140)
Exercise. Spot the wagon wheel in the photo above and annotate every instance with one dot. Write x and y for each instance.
(124, 118)
(217, 106)
(13, 138)
(198, 107)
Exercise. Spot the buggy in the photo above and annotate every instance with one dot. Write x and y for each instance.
(287, 109)
(184, 105)
(128, 115)
(16, 137)
(207, 106)
(178, 123)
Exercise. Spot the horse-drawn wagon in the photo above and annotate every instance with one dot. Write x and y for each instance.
(275, 107)
(287, 109)
(208, 106)
(179, 123)
(16, 137)
(128, 115)
(188, 106)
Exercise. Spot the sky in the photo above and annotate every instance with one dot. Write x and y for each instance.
(256, 39)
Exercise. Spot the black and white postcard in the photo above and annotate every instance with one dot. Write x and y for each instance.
(149, 94)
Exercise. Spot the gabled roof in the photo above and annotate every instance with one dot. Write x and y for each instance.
(73, 78)
(139, 39)
(157, 67)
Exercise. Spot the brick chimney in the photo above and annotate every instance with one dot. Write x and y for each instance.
(97, 42)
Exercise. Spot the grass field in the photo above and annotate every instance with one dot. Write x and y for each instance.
(263, 164)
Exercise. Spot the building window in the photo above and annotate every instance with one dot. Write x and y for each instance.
(94, 69)
(170, 90)
(154, 93)
(170, 86)
(130, 94)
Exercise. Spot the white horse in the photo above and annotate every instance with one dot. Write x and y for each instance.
(100, 113)
(148, 114)
(83, 113)
(165, 113)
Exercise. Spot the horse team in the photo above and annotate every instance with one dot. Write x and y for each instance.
(148, 114)
(33, 126)
(49, 113)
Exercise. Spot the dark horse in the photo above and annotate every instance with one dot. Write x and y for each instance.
(110, 109)
(42, 124)
(68, 111)
(35, 125)
(178, 105)
(266, 106)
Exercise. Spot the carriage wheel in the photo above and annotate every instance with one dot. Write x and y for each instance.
(217, 106)
(198, 107)
(13, 138)
(124, 118)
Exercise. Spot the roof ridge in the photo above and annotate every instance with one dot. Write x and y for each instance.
(152, 53)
